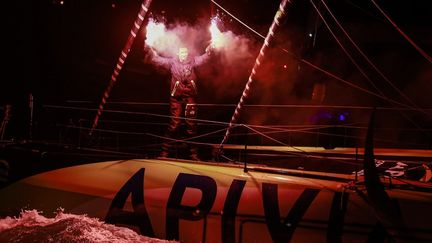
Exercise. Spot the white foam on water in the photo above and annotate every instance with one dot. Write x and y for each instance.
(32, 226)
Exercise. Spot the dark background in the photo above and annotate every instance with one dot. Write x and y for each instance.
(64, 53)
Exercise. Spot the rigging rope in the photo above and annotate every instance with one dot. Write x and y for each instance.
(376, 68)
(136, 113)
(358, 66)
(277, 128)
(423, 53)
(276, 23)
(238, 20)
(369, 61)
(328, 73)
(252, 105)
(121, 60)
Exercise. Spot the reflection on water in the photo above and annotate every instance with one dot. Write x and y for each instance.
(31, 226)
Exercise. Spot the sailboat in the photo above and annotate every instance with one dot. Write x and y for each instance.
(242, 201)
(219, 202)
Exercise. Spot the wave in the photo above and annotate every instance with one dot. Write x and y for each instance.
(32, 226)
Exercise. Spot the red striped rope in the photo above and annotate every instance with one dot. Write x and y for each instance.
(270, 35)
(121, 60)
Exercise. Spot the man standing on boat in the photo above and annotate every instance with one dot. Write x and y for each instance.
(183, 92)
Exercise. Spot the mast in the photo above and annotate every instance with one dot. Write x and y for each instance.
(270, 35)
(121, 60)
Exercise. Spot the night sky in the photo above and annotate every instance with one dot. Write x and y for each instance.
(66, 50)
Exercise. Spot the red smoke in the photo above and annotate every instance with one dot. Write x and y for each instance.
(223, 79)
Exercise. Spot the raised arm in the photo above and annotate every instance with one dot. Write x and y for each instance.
(155, 58)
(204, 57)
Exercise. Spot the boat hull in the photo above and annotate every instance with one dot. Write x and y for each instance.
(210, 202)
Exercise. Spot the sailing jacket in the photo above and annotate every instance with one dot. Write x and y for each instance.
(183, 77)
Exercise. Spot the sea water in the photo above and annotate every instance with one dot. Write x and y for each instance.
(32, 226)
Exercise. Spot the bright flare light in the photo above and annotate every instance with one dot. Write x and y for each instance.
(217, 37)
(155, 31)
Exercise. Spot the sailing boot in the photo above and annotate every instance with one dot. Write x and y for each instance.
(194, 154)
(165, 149)
(164, 154)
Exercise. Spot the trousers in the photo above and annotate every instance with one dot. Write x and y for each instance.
(182, 108)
